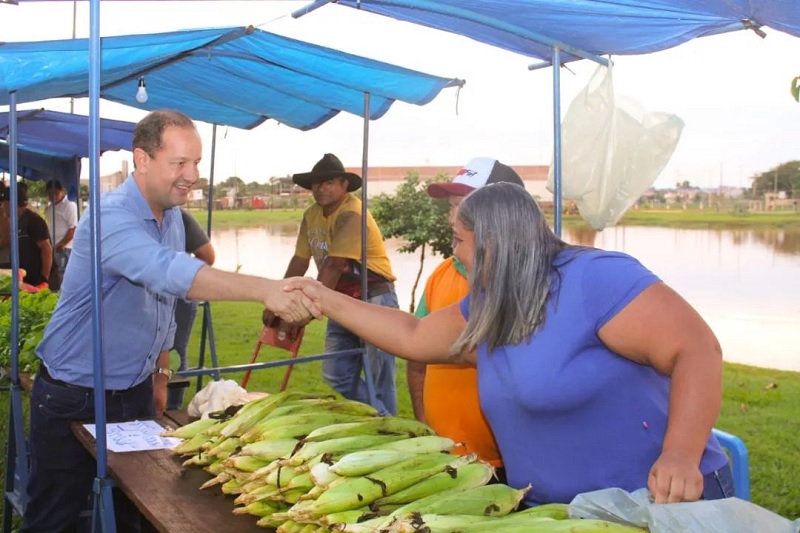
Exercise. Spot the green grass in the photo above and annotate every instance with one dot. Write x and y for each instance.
(760, 405)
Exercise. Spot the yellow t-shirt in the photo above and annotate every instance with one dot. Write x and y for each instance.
(450, 396)
(339, 235)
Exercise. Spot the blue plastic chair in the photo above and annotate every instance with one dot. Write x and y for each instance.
(740, 464)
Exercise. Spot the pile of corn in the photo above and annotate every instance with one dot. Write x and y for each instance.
(307, 463)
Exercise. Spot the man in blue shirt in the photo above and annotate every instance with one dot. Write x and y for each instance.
(144, 269)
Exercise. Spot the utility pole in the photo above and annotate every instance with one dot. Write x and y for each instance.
(776, 181)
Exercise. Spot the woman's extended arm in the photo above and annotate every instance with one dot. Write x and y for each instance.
(427, 340)
(660, 329)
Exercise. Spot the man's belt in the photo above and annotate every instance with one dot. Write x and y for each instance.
(45, 376)
(379, 288)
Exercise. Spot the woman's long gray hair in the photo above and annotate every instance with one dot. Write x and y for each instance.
(512, 269)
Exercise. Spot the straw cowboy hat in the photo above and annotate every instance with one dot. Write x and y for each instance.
(328, 167)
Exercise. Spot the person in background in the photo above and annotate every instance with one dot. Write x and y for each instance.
(35, 250)
(62, 218)
(446, 396)
(144, 268)
(592, 372)
(5, 229)
(197, 244)
(331, 233)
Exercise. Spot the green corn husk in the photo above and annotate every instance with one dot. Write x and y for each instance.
(191, 429)
(353, 493)
(310, 450)
(465, 477)
(386, 425)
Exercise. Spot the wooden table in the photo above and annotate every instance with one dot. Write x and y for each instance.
(169, 494)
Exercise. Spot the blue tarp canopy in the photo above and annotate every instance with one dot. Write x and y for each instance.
(234, 76)
(531, 27)
(50, 144)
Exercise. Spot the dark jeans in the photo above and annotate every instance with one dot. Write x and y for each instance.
(343, 374)
(185, 314)
(61, 470)
(719, 484)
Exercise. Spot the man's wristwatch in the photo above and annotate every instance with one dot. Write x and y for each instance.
(166, 371)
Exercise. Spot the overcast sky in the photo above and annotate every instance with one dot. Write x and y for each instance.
(731, 91)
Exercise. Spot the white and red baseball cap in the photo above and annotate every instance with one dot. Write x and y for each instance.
(475, 174)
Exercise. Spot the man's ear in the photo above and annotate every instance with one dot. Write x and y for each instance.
(140, 159)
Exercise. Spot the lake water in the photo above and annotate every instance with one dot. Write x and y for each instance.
(745, 283)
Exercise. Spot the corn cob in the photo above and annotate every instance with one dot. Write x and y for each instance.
(355, 516)
(343, 444)
(386, 425)
(191, 446)
(419, 445)
(290, 527)
(245, 463)
(353, 493)
(222, 477)
(488, 500)
(558, 511)
(269, 450)
(301, 481)
(230, 445)
(367, 461)
(191, 429)
(316, 419)
(322, 476)
(465, 477)
(259, 508)
(515, 524)
(256, 410)
(430, 523)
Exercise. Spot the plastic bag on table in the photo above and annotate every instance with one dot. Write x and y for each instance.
(216, 396)
(730, 515)
(612, 150)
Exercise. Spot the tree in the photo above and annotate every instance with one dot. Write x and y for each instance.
(784, 177)
(412, 215)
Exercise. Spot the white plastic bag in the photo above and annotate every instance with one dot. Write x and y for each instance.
(612, 150)
(216, 396)
(730, 515)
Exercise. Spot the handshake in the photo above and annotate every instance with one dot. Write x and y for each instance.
(295, 304)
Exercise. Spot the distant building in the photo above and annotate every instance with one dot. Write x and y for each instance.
(110, 182)
(387, 179)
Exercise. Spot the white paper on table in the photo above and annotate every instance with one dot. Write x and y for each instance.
(135, 436)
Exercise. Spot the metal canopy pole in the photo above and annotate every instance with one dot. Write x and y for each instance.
(16, 477)
(207, 329)
(557, 140)
(102, 505)
(370, 350)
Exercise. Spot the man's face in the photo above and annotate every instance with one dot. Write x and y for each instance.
(329, 192)
(170, 173)
(454, 201)
(4, 208)
(55, 195)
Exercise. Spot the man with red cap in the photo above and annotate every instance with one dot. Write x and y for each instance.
(446, 396)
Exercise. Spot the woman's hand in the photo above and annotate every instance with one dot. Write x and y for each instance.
(675, 478)
(292, 305)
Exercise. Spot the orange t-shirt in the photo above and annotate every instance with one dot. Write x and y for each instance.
(450, 396)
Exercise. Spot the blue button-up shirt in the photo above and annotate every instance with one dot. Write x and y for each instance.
(144, 268)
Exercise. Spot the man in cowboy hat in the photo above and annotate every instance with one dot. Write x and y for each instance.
(331, 234)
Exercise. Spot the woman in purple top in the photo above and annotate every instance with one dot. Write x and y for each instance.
(592, 372)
